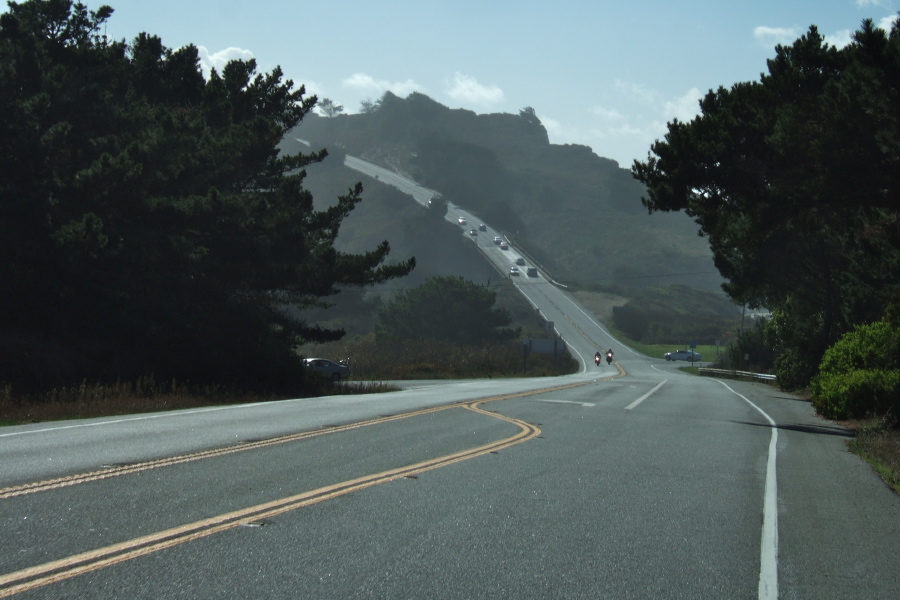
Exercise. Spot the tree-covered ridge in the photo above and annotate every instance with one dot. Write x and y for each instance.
(150, 223)
(445, 309)
(794, 181)
(579, 214)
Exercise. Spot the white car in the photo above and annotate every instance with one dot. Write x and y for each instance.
(328, 368)
(497, 239)
(683, 355)
(504, 246)
(461, 221)
(514, 270)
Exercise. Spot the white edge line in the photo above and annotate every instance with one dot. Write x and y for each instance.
(645, 396)
(177, 413)
(565, 402)
(768, 548)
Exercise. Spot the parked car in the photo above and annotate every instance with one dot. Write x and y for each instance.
(514, 270)
(520, 261)
(531, 272)
(482, 227)
(329, 368)
(683, 355)
(461, 221)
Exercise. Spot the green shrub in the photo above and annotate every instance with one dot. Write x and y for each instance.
(857, 394)
(866, 347)
(859, 375)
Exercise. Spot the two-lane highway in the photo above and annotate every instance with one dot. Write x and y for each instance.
(628, 481)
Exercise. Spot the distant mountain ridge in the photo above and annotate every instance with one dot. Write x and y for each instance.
(579, 214)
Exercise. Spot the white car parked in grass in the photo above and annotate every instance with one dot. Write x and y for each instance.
(683, 355)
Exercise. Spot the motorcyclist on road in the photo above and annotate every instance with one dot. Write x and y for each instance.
(609, 356)
(598, 357)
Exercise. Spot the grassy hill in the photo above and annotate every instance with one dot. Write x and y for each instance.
(578, 214)
(439, 247)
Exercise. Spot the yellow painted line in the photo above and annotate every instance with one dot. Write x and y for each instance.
(60, 482)
(52, 484)
(86, 562)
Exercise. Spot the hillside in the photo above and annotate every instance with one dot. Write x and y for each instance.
(579, 214)
(411, 230)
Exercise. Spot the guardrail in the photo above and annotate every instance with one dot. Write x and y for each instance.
(738, 374)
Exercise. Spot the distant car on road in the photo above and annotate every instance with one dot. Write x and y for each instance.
(514, 270)
(504, 246)
(497, 239)
(683, 355)
(461, 221)
(482, 227)
(531, 271)
(329, 368)
(520, 261)
(473, 233)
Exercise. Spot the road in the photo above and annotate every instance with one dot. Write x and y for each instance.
(628, 481)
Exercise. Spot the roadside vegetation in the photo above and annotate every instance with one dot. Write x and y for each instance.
(856, 387)
(150, 223)
(448, 327)
(145, 395)
(877, 441)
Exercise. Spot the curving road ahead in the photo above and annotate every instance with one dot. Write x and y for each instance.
(626, 481)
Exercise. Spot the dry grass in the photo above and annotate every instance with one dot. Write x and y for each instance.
(877, 441)
(423, 359)
(100, 400)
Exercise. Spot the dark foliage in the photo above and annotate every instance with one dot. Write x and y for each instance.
(750, 350)
(449, 309)
(150, 224)
(794, 180)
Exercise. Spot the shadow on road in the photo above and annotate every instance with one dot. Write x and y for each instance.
(817, 429)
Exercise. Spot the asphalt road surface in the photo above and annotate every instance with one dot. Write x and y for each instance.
(634, 480)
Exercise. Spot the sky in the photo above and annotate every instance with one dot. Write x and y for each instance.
(608, 74)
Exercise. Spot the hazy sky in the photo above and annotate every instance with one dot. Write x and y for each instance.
(608, 74)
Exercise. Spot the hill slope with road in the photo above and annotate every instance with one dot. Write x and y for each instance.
(579, 214)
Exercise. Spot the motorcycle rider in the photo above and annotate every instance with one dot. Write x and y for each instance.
(598, 357)
(609, 356)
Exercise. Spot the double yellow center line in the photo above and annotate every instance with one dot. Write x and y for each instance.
(85, 562)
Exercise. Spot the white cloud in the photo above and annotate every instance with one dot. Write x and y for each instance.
(311, 88)
(771, 36)
(467, 89)
(645, 95)
(218, 60)
(865, 3)
(610, 114)
(840, 39)
(553, 127)
(684, 108)
(887, 22)
(367, 83)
